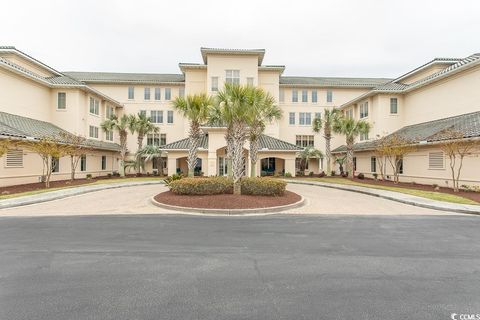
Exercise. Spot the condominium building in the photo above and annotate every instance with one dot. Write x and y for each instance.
(36, 95)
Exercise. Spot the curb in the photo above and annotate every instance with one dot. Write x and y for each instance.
(403, 198)
(75, 191)
(230, 212)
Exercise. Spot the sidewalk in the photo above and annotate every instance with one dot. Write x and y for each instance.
(69, 192)
(397, 196)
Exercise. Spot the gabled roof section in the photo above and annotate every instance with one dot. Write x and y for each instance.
(14, 126)
(431, 131)
(333, 81)
(267, 143)
(436, 61)
(12, 49)
(134, 78)
(256, 52)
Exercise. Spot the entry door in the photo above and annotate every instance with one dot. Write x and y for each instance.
(222, 166)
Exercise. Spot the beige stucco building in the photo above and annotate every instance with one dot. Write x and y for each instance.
(79, 101)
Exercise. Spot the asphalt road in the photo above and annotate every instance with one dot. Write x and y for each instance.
(272, 267)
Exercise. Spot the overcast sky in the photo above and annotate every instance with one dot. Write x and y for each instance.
(370, 38)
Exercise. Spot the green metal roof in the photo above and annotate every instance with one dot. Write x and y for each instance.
(14, 126)
(266, 143)
(334, 81)
(431, 131)
(119, 77)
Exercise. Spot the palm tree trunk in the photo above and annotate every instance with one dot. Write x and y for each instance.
(238, 139)
(254, 146)
(350, 158)
(228, 138)
(123, 152)
(194, 141)
(328, 154)
(141, 166)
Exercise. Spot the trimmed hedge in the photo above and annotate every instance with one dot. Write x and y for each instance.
(223, 185)
(202, 186)
(263, 186)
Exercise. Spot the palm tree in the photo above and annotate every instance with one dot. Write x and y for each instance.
(308, 153)
(142, 125)
(263, 111)
(350, 128)
(233, 108)
(330, 117)
(121, 126)
(196, 109)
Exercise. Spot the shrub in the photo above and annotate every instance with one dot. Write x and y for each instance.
(361, 176)
(333, 173)
(344, 174)
(89, 176)
(263, 186)
(375, 176)
(109, 175)
(174, 177)
(288, 175)
(201, 186)
(321, 174)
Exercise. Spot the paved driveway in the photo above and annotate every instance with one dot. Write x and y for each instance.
(272, 267)
(137, 200)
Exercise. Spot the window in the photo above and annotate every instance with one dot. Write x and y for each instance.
(305, 118)
(314, 96)
(304, 141)
(146, 94)
(109, 135)
(373, 164)
(83, 163)
(14, 159)
(110, 112)
(364, 110)
(349, 113)
(168, 93)
(131, 93)
(232, 76)
(55, 164)
(170, 117)
(250, 81)
(181, 92)
(304, 96)
(299, 164)
(363, 136)
(318, 115)
(291, 118)
(354, 163)
(156, 116)
(281, 95)
(94, 106)
(294, 96)
(157, 93)
(329, 96)
(400, 166)
(143, 113)
(156, 139)
(393, 105)
(214, 83)
(104, 162)
(435, 160)
(93, 132)
(62, 100)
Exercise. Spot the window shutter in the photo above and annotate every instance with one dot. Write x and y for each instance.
(435, 160)
(14, 159)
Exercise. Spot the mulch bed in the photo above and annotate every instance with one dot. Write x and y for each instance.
(226, 201)
(475, 196)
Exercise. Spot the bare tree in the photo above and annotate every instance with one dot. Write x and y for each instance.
(5, 145)
(456, 148)
(394, 147)
(76, 147)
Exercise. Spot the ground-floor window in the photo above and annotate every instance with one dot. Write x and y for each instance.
(83, 163)
(373, 164)
(55, 164)
(222, 166)
(267, 166)
(104, 162)
(198, 167)
(400, 166)
(299, 164)
(354, 163)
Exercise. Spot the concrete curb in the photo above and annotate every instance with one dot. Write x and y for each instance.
(398, 197)
(70, 192)
(237, 212)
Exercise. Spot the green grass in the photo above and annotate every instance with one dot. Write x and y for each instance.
(99, 182)
(439, 196)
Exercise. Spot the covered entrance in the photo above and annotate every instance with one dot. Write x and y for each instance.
(271, 166)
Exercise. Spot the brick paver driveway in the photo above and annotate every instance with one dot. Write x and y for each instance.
(132, 200)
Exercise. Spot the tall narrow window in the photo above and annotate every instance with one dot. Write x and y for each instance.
(214, 83)
(181, 92)
(62, 101)
(400, 166)
(318, 115)
(291, 118)
(301, 118)
(109, 135)
(131, 93)
(157, 93)
(83, 163)
(308, 118)
(170, 117)
(393, 105)
(250, 81)
(146, 95)
(304, 96)
(314, 96)
(364, 110)
(156, 116)
(104, 162)
(232, 76)
(168, 94)
(329, 96)
(294, 96)
(110, 112)
(143, 113)
(93, 132)
(373, 164)
(281, 95)
(55, 164)
(163, 139)
(94, 106)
